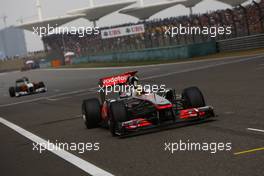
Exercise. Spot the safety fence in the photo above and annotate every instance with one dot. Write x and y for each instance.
(241, 43)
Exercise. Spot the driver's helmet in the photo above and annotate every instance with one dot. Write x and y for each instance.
(25, 79)
(133, 80)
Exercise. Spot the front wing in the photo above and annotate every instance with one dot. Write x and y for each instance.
(180, 117)
(23, 93)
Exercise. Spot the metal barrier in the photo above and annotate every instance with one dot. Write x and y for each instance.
(171, 52)
(241, 43)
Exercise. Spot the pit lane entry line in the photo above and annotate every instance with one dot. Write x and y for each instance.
(252, 150)
(249, 151)
(69, 157)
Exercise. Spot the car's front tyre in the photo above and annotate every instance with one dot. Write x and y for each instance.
(12, 92)
(193, 97)
(91, 113)
(118, 115)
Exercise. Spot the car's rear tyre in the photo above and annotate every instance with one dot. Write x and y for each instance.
(118, 115)
(12, 92)
(91, 112)
(193, 98)
(41, 85)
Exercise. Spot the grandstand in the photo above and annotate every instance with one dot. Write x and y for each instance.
(245, 21)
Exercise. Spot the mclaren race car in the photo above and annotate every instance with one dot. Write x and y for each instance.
(135, 111)
(24, 87)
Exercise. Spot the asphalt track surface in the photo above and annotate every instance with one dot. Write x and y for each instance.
(234, 86)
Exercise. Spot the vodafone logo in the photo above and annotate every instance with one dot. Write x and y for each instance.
(113, 80)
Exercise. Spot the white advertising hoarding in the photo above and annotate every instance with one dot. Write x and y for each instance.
(122, 31)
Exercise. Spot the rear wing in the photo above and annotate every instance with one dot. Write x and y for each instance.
(116, 80)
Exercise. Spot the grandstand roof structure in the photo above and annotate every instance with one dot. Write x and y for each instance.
(94, 13)
(191, 3)
(50, 22)
(146, 11)
(233, 2)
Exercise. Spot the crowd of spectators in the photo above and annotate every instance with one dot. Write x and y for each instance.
(243, 21)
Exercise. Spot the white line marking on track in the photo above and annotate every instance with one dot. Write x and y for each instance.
(254, 129)
(200, 68)
(229, 112)
(58, 99)
(85, 93)
(22, 102)
(44, 98)
(260, 68)
(69, 157)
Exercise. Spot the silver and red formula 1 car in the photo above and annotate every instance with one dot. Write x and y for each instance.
(135, 111)
(24, 87)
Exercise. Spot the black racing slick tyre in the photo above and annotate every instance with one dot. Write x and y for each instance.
(119, 112)
(193, 97)
(12, 92)
(91, 112)
(41, 85)
(118, 115)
